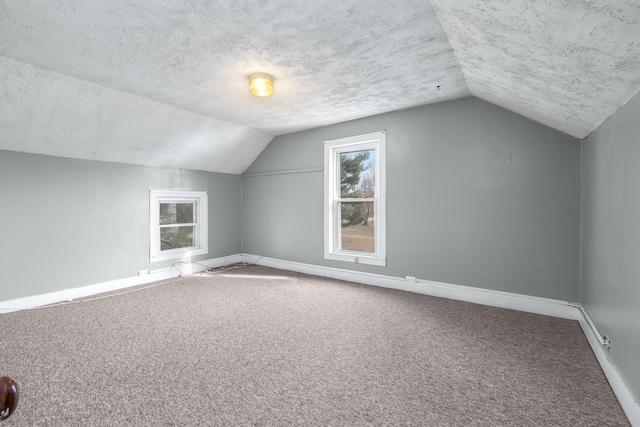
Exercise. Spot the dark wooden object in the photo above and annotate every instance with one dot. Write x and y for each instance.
(9, 395)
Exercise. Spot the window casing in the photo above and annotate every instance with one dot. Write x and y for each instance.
(178, 224)
(355, 208)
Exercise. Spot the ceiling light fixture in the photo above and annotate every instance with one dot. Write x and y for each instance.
(261, 85)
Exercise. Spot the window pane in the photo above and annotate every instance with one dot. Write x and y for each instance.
(357, 174)
(357, 231)
(176, 237)
(176, 213)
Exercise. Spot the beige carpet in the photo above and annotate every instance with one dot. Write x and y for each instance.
(263, 347)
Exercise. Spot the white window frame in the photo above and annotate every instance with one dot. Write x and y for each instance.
(332, 149)
(201, 233)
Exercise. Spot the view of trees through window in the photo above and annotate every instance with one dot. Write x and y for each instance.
(358, 185)
(176, 225)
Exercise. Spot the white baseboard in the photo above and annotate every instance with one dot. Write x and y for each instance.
(195, 267)
(531, 304)
(113, 285)
(545, 306)
(629, 405)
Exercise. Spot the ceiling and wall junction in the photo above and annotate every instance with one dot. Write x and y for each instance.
(164, 83)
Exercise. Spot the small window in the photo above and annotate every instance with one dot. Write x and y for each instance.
(355, 199)
(178, 224)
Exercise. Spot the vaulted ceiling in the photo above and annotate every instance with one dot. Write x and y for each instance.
(164, 82)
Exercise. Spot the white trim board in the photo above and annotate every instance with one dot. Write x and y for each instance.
(113, 285)
(544, 306)
(531, 304)
(538, 305)
(629, 405)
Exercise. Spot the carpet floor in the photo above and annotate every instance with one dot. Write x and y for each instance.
(263, 347)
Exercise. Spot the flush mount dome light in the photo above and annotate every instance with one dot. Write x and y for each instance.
(261, 85)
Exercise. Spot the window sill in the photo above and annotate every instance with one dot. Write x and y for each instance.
(178, 254)
(357, 259)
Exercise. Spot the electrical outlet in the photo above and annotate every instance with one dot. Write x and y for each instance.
(143, 272)
(410, 279)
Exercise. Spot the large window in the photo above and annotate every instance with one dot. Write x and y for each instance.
(178, 224)
(354, 182)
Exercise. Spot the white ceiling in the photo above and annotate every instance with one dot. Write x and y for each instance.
(568, 64)
(164, 82)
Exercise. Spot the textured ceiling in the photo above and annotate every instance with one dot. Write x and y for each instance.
(164, 82)
(566, 63)
(48, 113)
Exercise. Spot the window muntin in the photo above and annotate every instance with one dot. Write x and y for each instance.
(178, 224)
(354, 199)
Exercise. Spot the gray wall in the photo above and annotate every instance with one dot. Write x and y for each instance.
(476, 195)
(69, 223)
(611, 236)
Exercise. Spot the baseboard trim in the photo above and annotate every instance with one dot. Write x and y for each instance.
(531, 304)
(629, 405)
(113, 285)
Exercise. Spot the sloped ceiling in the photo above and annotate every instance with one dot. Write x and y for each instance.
(164, 82)
(568, 64)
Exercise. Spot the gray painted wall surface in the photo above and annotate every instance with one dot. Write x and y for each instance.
(69, 223)
(477, 196)
(611, 236)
